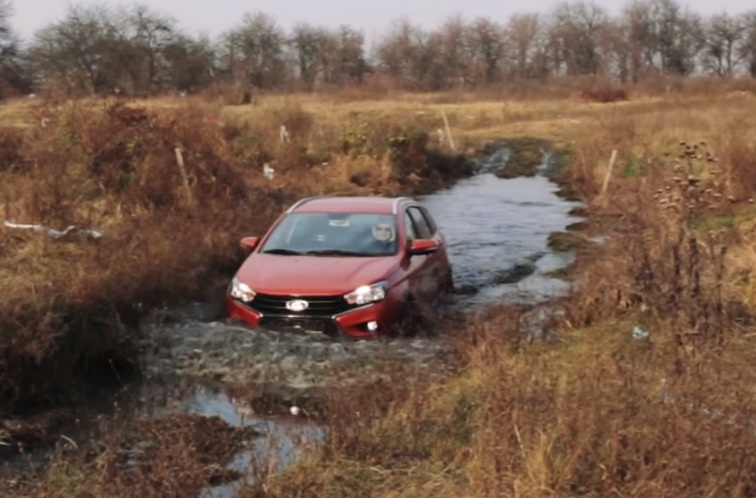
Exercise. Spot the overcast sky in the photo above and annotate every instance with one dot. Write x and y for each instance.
(371, 16)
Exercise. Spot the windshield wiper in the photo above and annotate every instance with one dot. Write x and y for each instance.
(336, 252)
(285, 252)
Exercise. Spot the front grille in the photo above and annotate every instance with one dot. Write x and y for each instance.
(322, 306)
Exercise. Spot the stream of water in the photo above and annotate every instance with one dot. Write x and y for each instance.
(496, 231)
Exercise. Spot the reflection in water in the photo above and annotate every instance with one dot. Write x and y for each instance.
(493, 225)
(282, 439)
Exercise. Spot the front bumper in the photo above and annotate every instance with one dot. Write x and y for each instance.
(351, 323)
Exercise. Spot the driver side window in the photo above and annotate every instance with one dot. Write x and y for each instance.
(411, 231)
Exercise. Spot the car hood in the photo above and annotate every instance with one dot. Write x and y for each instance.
(313, 275)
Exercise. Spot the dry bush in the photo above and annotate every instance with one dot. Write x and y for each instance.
(589, 416)
(173, 188)
(737, 160)
(664, 264)
(114, 169)
(589, 157)
(605, 95)
(179, 455)
(603, 426)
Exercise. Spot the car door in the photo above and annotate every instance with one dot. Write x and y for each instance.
(432, 272)
(415, 266)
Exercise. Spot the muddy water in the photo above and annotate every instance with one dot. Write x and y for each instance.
(496, 231)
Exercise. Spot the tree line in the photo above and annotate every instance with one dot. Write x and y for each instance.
(136, 51)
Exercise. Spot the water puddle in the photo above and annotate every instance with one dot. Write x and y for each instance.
(283, 438)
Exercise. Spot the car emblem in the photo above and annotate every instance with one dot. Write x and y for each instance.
(297, 305)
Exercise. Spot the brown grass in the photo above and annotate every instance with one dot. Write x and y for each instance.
(594, 412)
(173, 189)
(599, 413)
(173, 456)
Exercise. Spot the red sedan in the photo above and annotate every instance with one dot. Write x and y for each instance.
(358, 266)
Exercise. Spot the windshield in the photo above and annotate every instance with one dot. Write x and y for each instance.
(334, 234)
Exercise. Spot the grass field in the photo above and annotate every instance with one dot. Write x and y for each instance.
(593, 413)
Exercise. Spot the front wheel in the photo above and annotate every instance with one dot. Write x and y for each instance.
(448, 283)
(412, 321)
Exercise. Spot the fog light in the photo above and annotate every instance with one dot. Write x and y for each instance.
(372, 326)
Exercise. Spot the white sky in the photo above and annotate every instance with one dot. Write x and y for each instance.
(371, 16)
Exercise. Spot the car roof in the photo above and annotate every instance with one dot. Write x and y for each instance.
(332, 204)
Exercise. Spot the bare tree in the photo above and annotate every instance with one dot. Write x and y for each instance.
(747, 48)
(148, 34)
(575, 34)
(523, 31)
(487, 42)
(254, 52)
(641, 39)
(679, 36)
(345, 61)
(618, 51)
(310, 46)
(448, 51)
(73, 51)
(190, 63)
(403, 52)
(723, 35)
(11, 68)
(662, 37)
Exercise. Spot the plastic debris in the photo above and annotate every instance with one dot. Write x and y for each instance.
(55, 234)
(283, 134)
(295, 410)
(665, 396)
(268, 172)
(639, 334)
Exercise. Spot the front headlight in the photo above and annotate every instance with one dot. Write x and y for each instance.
(367, 294)
(241, 291)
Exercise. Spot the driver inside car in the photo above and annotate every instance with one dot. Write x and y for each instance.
(384, 237)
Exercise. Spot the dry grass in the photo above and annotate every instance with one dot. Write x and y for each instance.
(599, 413)
(593, 413)
(173, 189)
(172, 456)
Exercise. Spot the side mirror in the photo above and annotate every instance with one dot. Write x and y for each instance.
(249, 243)
(423, 246)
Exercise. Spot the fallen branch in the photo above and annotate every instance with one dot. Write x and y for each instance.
(55, 234)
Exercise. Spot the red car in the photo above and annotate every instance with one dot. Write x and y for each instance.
(358, 266)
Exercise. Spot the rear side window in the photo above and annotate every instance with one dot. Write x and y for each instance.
(423, 229)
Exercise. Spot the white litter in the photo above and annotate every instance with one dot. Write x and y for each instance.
(268, 172)
(283, 134)
(55, 234)
(639, 334)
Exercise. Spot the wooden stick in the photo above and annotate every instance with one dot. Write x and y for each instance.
(609, 172)
(448, 130)
(184, 177)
